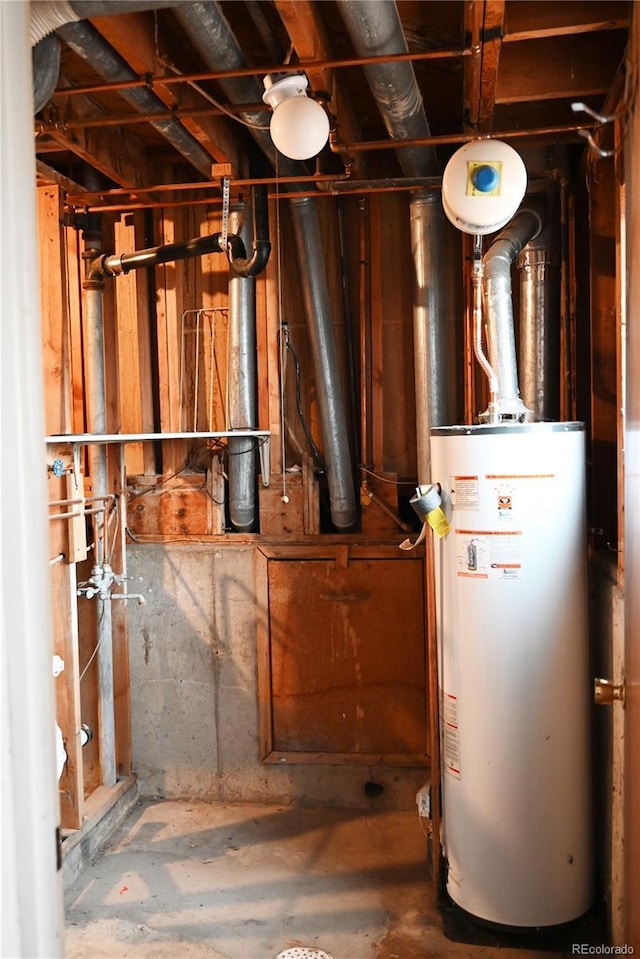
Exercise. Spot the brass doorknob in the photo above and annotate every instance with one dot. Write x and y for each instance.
(606, 692)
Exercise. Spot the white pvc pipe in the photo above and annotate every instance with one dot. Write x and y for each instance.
(31, 891)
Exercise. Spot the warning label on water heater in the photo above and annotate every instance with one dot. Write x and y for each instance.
(465, 492)
(489, 554)
(450, 734)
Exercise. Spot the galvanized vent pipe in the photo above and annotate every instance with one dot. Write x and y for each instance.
(539, 331)
(434, 334)
(242, 391)
(497, 263)
(96, 403)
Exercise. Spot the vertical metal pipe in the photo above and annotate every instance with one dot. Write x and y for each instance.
(95, 393)
(434, 328)
(497, 263)
(539, 347)
(317, 303)
(242, 389)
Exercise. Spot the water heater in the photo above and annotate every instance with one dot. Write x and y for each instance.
(514, 709)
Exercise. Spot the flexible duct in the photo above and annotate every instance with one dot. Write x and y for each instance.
(376, 30)
(212, 37)
(434, 336)
(497, 263)
(45, 16)
(242, 392)
(88, 44)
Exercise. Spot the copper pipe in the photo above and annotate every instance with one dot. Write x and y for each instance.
(372, 145)
(81, 199)
(309, 65)
(126, 119)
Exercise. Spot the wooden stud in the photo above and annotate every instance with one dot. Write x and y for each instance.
(67, 688)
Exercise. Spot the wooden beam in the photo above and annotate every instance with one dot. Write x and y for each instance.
(484, 21)
(473, 16)
(133, 36)
(575, 68)
(54, 314)
(492, 28)
(114, 152)
(132, 317)
(539, 18)
(308, 35)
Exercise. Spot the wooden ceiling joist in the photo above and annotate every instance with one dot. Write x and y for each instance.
(133, 36)
(484, 23)
(116, 153)
(551, 69)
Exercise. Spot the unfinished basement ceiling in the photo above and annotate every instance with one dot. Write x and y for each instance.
(483, 67)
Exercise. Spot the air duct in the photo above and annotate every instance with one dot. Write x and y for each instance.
(88, 44)
(375, 30)
(211, 36)
(47, 15)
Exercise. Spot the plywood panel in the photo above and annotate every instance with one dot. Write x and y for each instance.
(347, 659)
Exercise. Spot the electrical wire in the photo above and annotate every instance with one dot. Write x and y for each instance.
(317, 455)
(207, 96)
(384, 479)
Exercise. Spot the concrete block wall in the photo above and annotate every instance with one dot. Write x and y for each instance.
(194, 690)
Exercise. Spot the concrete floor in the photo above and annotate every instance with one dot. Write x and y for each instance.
(182, 880)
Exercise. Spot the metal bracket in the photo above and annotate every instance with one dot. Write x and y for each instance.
(601, 119)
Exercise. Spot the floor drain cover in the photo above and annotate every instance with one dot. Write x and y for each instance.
(303, 952)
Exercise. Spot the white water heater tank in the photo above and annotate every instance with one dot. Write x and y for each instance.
(513, 671)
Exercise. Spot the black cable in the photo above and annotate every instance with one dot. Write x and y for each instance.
(317, 455)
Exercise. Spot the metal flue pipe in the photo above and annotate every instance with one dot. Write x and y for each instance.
(212, 37)
(497, 263)
(434, 333)
(88, 44)
(539, 331)
(96, 405)
(242, 392)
